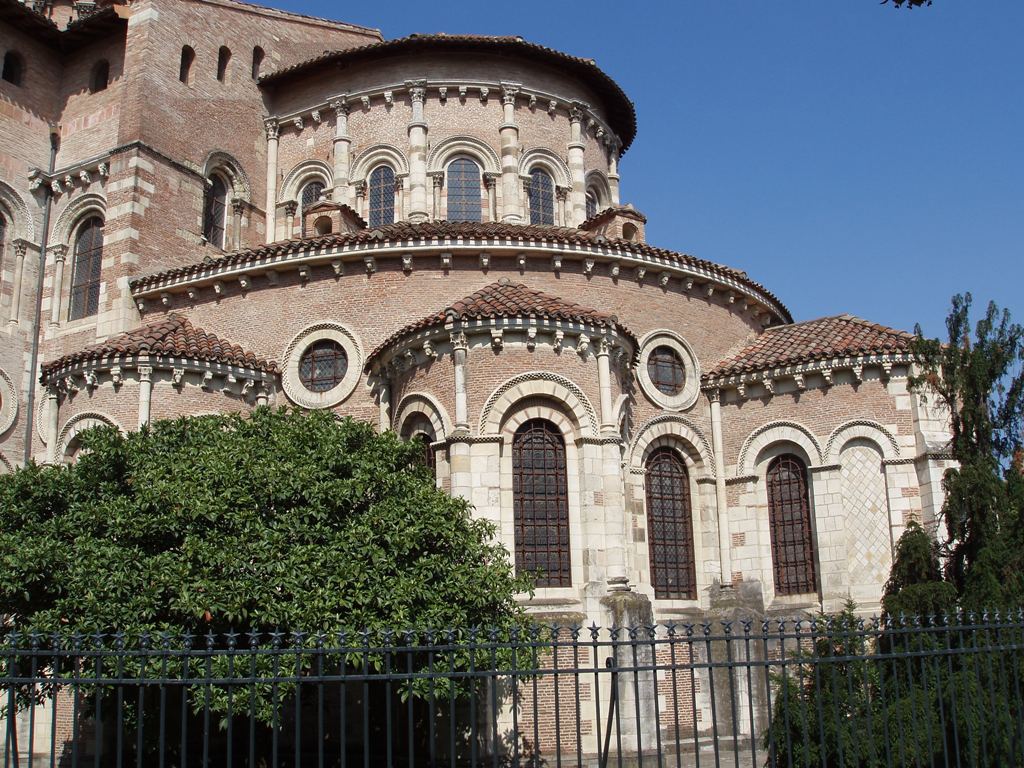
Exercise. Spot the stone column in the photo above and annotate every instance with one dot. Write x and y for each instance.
(237, 206)
(360, 201)
(20, 248)
(511, 206)
(60, 252)
(52, 415)
(561, 196)
(342, 149)
(491, 186)
(721, 500)
(604, 381)
(384, 403)
(615, 519)
(289, 219)
(613, 170)
(437, 179)
(418, 209)
(273, 130)
(577, 172)
(460, 349)
(399, 184)
(145, 394)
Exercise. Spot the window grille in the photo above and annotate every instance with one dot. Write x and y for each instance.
(789, 515)
(311, 193)
(542, 197)
(323, 365)
(85, 277)
(464, 201)
(670, 526)
(382, 196)
(665, 370)
(215, 211)
(541, 503)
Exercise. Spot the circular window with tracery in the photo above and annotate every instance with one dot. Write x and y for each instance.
(323, 365)
(665, 368)
(668, 372)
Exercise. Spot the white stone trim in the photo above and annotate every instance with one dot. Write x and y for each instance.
(302, 174)
(691, 367)
(861, 428)
(597, 182)
(680, 433)
(21, 225)
(226, 164)
(8, 401)
(448, 149)
(79, 423)
(293, 386)
(776, 432)
(427, 405)
(543, 157)
(544, 384)
(379, 154)
(73, 215)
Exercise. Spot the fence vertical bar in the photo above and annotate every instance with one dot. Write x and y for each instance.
(232, 644)
(388, 692)
(59, 657)
(366, 697)
(595, 650)
(473, 633)
(574, 633)
(558, 708)
(670, 638)
(652, 632)
(492, 638)
(632, 634)
(729, 669)
(343, 697)
(452, 685)
(706, 628)
(208, 670)
(254, 641)
(432, 701)
(773, 755)
(298, 639)
(746, 624)
(140, 715)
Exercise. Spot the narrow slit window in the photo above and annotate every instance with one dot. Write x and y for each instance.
(188, 55)
(223, 59)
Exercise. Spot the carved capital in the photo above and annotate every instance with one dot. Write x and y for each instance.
(20, 248)
(273, 129)
(459, 341)
(509, 93)
(576, 112)
(145, 373)
(562, 193)
(238, 205)
(59, 251)
(438, 178)
(340, 105)
(290, 207)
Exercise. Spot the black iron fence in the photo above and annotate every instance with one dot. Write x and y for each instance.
(946, 691)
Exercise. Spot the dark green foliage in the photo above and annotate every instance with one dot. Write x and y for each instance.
(276, 521)
(915, 586)
(908, 3)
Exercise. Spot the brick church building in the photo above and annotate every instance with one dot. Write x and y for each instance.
(200, 212)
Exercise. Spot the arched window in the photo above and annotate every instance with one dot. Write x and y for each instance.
(542, 197)
(188, 55)
(591, 204)
(464, 202)
(420, 429)
(382, 196)
(670, 526)
(789, 517)
(541, 503)
(309, 196)
(14, 68)
(257, 61)
(85, 274)
(323, 225)
(223, 59)
(100, 76)
(215, 211)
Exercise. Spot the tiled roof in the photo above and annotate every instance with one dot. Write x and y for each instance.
(450, 230)
(507, 299)
(621, 113)
(173, 336)
(822, 339)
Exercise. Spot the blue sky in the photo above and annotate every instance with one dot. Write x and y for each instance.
(850, 156)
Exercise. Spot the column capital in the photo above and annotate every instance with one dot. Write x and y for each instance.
(360, 188)
(438, 178)
(237, 205)
(459, 341)
(605, 346)
(145, 373)
(340, 105)
(290, 207)
(417, 89)
(509, 91)
(491, 179)
(20, 247)
(562, 193)
(59, 251)
(714, 395)
(273, 129)
(576, 111)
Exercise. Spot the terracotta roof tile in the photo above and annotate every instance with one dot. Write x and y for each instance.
(507, 299)
(451, 230)
(173, 336)
(822, 339)
(620, 113)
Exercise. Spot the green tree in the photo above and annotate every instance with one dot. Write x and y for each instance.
(278, 521)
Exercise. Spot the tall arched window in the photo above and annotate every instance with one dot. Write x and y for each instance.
(670, 526)
(789, 517)
(591, 204)
(541, 503)
(257, 61)
(309, 196)
(464, 202)
(188, 55)
(542, 197)
(14, 68)
(382, 196)
(421, 430)
(85, 271)
(223, 59)
(215, 211)
(100, 76)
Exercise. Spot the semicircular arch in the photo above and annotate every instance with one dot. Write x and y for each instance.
(426, 405)
(221, 161)
(776, 432)
(302, 174)
(541, 157)
(864, 429)
(20, 223)
(447, 149)
(78, 424)
(543, 384)
(379, 154)
(673, 430)
(74, 213)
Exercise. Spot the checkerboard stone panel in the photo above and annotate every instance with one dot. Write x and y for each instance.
(867, 517)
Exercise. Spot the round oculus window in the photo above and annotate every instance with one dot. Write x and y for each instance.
(323, 365)
(665, 370)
